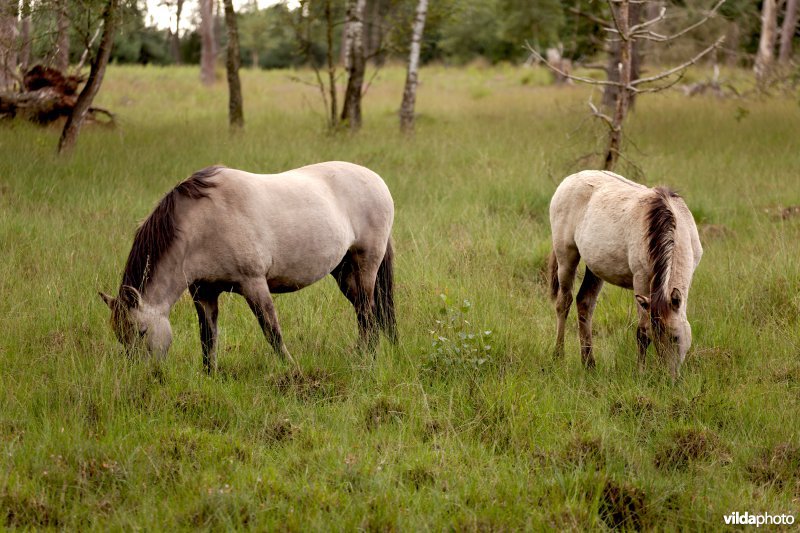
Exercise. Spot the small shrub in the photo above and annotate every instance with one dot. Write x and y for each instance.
(456, 343)
(779, 466)
(686, 446)
(622, 506)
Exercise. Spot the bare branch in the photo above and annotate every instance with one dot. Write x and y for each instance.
(555, 69)
(660, 88)
(602, 116)
(652, 36)
(597, 20)
(646, 24)
(679, 68)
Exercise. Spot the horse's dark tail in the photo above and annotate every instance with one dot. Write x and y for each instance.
(552, 268)
(384, 294)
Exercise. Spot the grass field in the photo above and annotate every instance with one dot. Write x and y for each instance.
(421, 437)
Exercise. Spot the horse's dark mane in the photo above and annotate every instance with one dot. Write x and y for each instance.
(660, 244)
(157, 233)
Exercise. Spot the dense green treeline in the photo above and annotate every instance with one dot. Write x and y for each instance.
(457, 32)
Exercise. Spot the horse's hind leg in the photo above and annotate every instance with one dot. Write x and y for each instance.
(568, 259)
(206, 303)
(256, 292)
(585, 302)
(355, 276)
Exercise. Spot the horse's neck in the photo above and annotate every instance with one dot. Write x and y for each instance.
(167, 283)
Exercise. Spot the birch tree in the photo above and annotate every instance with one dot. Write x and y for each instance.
(351, 110)
(766, 43)
(72, 127)
(235, 112)
(207, 50)
(412, 77)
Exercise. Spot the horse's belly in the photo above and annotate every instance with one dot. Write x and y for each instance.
(609, 264)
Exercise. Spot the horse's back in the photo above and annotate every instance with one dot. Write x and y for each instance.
(596, 215)
(293, 227)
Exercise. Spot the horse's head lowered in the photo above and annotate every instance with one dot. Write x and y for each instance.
(670, 330)
(138, 325)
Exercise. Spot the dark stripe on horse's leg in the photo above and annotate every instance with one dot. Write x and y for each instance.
(206, 303)
(352, 276)
(585, 303)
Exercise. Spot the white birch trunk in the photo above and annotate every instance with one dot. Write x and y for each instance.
(412, 78)
(766, 44)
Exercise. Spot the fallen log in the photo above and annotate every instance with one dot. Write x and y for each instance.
(46, 96)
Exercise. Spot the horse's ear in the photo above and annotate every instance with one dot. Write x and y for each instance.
(129, 296)
(109, 300)
(643, 301)
(676, 298)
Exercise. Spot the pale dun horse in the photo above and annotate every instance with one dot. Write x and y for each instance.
(226, 230)
(631, 236)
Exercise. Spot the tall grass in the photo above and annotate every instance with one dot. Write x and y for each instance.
(89, 439)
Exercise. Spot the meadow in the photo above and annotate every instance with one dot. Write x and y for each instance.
(468, 423)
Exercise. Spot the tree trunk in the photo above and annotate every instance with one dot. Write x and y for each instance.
(766, 44)
(235, 112)
(75, 120)
(613, 68)
(787, 32)
(8, 42)
(410, 91)
(374, 32)
(351, 112)
(207, 51)
(334, 120)
(625, 70)
(176, 37)
(25, 36)
(62, 36)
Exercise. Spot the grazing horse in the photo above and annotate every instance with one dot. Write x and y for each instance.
(255, 235)
(631, 236)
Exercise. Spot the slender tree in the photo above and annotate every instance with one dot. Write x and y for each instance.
(787, 32)
(623, 52)
(176, 36)
(25, 35)
(766, 43)
(207, 47)
(334, 120)
(72, 128)
(410, 91)
(235, 112)
(62, 36)
(8, 42)
(351, 112)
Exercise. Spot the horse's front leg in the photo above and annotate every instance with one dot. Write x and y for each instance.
(258, 297)
(641, 287)
(206, 304)
(586, 301)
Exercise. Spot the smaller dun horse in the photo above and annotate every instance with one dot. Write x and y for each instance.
(226, 230)
(631, 236)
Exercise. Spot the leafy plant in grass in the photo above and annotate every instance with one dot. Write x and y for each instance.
(455, 342)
